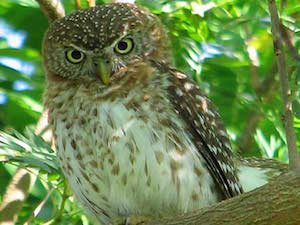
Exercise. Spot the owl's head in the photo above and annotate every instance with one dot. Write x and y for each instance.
(100, 42)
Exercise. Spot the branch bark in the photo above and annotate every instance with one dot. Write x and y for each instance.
(53, 9)
(78, 4)
(294, 160)
(289, 43)
(276, 203)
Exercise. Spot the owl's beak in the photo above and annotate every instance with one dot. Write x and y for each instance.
(104, 70)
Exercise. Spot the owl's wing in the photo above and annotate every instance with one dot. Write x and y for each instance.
(206, 127)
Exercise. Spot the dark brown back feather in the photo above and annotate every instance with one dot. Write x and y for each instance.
(206, 128)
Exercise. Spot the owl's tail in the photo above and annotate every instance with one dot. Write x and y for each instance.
(254, 172)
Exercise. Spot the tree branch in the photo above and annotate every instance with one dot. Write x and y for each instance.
(276, 203)
(53, 9)
(91, 3)
(286, 91)
(78, 4)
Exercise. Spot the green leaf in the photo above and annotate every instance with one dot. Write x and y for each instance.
(28, 151)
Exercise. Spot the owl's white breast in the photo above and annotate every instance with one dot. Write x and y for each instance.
(123, 159)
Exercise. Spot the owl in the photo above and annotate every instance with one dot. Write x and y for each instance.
(134, 136)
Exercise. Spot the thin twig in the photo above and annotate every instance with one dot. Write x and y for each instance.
(39, 207)
(282, 5)
(65, 196)
(264, 91)
(53, 9)
(91, 3)
(288, 41)
(286, 91)
(78, 4)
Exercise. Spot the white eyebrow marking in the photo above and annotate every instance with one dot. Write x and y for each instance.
(81, 49)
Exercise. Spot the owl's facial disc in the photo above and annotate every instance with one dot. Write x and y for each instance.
(103, 42)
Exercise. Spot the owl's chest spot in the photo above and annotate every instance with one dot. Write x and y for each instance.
(127, 160)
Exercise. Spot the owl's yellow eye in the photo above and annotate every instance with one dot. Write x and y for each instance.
(124, 46)
(74, 56)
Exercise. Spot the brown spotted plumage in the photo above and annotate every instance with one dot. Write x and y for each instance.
(134, 136)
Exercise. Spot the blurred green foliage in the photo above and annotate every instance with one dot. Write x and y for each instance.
(225, 45)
